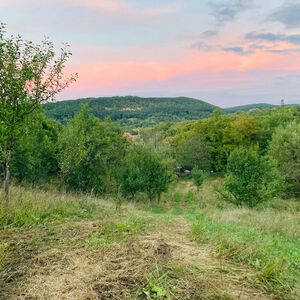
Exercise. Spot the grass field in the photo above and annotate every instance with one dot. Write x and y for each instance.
(192, 245)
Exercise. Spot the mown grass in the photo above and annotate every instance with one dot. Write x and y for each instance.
(266, 238)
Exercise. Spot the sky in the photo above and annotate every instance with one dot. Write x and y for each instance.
(226, 52)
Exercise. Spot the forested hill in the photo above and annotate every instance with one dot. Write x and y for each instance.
(248, 107)
(133, 111)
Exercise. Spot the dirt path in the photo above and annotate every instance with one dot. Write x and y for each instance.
(122, 271)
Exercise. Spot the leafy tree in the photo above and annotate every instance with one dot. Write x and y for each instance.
(29, 75)
(251, 178)
(242, 132)
(285, 149)
(143, 171)
(213, 130)
(194, 152)
(154, 140)
(91, 152)
(36, 151)
(271, 119)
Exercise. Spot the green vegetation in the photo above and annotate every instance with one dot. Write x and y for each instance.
(30, 75)
(142, 171)
(251, 179)
(249, 107)
(284, 148)
(238, 250)
(90, 153)
(98, 213)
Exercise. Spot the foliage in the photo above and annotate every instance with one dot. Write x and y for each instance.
(35, 157)
(91, 152)
(251, 178)
(285, 149)
(198, 177)
(143, 171)
(30, 74)
(154, 140)
(193, 152)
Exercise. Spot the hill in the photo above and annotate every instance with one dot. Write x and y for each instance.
(131, 111)
(248, 107)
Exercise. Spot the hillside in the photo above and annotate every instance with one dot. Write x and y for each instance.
(248, 107)
(133, 111)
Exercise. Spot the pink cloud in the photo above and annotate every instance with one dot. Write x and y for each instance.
(193, 69)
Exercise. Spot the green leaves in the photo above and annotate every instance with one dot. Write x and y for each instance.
(251, 178)
(285, 149)
(143, 171)
(91, 152)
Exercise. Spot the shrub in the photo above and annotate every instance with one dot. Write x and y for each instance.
(198, 177)
(251, 178)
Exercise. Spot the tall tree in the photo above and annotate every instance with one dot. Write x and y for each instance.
(91, 152)
(30, 74)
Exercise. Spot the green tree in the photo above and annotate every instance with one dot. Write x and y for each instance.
(36, 151)
(213, 130)
(285, 149)
(30, 74)
(194, 152)
(91, 152)
(251, 178)
(143, 171)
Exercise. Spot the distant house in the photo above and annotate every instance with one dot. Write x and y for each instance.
(130, 136)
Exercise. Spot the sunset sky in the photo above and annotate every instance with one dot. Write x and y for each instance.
(226, 52)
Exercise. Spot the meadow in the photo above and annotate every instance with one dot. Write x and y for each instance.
(191, 245)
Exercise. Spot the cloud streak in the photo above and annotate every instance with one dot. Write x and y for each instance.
(274, 37)
(227, 11)
(288, 15)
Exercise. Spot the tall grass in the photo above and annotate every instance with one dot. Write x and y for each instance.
(266, 238)
(29, 207)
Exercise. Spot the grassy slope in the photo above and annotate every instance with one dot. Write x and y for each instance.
(133, 111)
(191, 246)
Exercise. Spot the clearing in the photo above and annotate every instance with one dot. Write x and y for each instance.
(92, 251)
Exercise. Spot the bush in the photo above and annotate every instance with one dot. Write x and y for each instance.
(251, 178)
(142, 171)
(285, 149)
(198, 177)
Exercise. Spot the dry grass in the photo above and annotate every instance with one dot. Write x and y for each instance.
(62, 246)
(157, 257)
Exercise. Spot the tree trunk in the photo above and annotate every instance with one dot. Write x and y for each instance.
(7, 175)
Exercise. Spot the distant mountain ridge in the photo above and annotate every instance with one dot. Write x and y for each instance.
(133, 111)
(247, 107)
